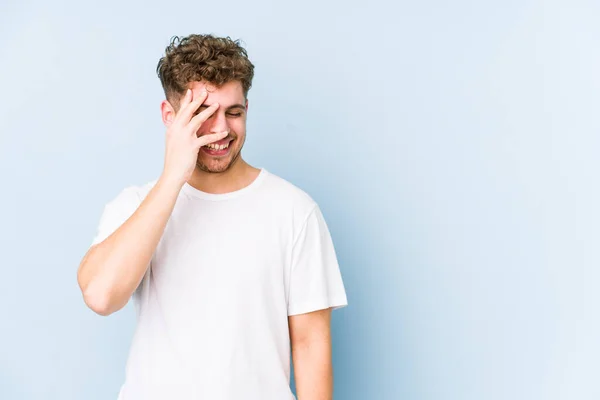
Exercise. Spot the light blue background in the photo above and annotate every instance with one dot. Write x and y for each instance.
(453, 147)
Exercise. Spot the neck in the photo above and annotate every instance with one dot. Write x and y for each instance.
(237, 177)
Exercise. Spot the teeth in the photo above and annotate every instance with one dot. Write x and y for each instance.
(214, 146)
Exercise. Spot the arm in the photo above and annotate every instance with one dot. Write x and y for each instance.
(112, 269)
(311, 354)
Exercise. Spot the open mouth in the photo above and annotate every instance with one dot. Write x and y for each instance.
(219, 148)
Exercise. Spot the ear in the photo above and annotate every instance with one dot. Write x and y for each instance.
(167, 112)
(246, 105)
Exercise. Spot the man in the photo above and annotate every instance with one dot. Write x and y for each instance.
(230, 267)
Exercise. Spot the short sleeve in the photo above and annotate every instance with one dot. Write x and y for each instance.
(116, 212)
(315, 277)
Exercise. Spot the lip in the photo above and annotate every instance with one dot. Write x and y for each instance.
(223, 141)
(218, 153)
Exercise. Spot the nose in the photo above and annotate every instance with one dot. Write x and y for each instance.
(218, 122)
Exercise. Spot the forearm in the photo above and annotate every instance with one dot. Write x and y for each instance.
(111, 270)
(313, 370)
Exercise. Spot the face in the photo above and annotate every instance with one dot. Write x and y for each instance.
(230, 116)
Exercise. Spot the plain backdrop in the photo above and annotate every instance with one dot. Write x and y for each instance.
(452, 146)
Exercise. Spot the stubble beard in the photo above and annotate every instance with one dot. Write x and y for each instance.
(220, 167)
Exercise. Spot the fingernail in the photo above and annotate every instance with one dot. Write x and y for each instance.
(204, 93)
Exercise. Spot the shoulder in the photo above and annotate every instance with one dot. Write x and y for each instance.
(288, 197)
(130, 196)
(118, 208)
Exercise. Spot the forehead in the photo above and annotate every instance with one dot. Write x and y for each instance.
(229, 93)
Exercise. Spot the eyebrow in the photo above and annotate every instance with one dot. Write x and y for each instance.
(231, 107)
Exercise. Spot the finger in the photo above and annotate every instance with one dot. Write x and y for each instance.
(202, 116)
(206, 139)
(187, 98)
(192, 106)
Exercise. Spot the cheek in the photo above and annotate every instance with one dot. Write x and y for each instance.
(238, 125)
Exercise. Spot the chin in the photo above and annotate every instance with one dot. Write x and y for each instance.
(213, 167)
(206, 163)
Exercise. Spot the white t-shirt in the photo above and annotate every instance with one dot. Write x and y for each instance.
(212, 309)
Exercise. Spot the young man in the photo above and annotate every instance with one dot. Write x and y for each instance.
(230, 267)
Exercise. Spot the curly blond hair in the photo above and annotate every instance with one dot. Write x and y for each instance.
(215, 60)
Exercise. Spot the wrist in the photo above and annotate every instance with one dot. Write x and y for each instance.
(171, 181)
